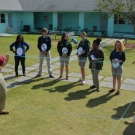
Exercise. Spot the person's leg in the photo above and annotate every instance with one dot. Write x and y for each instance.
(23, 65)
(48, 61)
(40, 63)
(16, 64)
(119, 74)
(67, 67)
(114, 76)
(61, 67)
(2, 95)
(96, 80)
(83, 73)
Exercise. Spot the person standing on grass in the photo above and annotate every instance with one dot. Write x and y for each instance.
(96, 57)
(64, 48)
(3, 92)
(117, 58)
(19, 51)
(44, 46)
(82, 53)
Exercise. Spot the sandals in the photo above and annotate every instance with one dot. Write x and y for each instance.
(60, 78)
(4, 113)
(112, 90)
(66, 77)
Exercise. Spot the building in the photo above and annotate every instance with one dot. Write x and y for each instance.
(32, 15)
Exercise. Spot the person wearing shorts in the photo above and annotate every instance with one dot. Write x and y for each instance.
(96, 57)
(20, 50)
(117, 58)
(82, 53)
(64, 48)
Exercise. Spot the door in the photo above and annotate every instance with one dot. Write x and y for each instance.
(60, 21)
(103, 22)
(10, 24)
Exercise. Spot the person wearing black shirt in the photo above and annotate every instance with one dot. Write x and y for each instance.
(117, 58)
(64, 48)
(82, 53)
(96, 57)
(44, 46)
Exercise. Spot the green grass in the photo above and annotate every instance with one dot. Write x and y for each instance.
(50, 107)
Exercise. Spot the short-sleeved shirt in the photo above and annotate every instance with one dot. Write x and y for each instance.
(1, 60)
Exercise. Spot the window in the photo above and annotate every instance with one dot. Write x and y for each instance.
(2, 18)
(119, 19)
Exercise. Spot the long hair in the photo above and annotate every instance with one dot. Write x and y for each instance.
(63, 36)
(17, 40)
(122, 47)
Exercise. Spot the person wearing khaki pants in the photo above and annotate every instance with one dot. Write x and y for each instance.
(44, 46)
(96, 57)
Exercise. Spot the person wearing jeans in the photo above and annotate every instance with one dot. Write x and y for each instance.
(20, 48)
(44, 46)
(96, 57)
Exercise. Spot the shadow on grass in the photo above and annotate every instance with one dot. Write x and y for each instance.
(120, 111)
(130, 129)
(81, 94)
(64, 88)
(100, 100)
(46, 84)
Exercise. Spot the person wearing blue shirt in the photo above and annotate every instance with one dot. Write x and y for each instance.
(19, 47)
(117, 58)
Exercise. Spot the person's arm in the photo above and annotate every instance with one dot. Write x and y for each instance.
(49, 44)
(27, 46)
(111, 56)
(69, 49)
(4, 61)
(58, 48)
(39, 45)
(11, 47)
(123, 58)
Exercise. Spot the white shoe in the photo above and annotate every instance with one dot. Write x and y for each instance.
(83, 82)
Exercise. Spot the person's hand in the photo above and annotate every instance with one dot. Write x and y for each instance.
(7, 56)
(45, 52)
(63, 55)
(120, 60)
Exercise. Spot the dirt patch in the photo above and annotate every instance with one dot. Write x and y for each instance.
(130, 45)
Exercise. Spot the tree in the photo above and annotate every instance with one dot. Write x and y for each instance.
(120, 8)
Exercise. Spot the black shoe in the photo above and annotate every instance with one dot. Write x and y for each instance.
(59, 78)
(37, 76)
(98, 89)
(51, 76)
(16, 75)
(117, 93)
(93, 87)
(112, 90)
(66, 77)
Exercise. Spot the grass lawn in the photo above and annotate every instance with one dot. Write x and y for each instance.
(50, 107)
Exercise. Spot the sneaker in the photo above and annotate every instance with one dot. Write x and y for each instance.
(112, 90)
(98, 89)
(93, 87)
(37, 76)
(51, 76)
(83, 82)
(24, 74)
(66, 77)
(80, 80)
(16, 75)
(117, 93)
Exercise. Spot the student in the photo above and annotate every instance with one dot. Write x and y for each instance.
(96, 57)
(44, 46)
(64, 48)
(82, 53)
(117, 58)
(19, 51)
(3, 92)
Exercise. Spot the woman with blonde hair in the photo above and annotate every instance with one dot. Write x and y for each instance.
(82, 53)
(117, 58)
